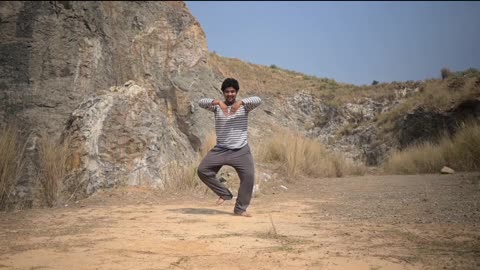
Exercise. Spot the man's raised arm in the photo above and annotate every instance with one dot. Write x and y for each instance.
(251, 103)
(206, 103)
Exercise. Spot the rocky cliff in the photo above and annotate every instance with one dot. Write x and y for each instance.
(59, 61)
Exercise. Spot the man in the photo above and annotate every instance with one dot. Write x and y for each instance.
(231, 127)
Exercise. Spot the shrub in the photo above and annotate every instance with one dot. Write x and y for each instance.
(445, 72)
(53, 167)
(298, 155)
(11, 163)
(462, 153)
(180, 177)
(469, 72)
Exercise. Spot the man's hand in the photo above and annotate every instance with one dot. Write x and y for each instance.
(222, 105)
(236, 106)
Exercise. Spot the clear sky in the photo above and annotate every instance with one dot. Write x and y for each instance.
(352, 42)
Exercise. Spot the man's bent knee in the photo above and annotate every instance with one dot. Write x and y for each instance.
(203, 171)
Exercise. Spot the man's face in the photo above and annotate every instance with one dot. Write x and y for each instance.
(230, 94)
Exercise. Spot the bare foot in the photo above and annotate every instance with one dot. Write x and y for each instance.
(243, 214)
(220, 201)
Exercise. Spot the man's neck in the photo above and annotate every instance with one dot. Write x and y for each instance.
(229, 103)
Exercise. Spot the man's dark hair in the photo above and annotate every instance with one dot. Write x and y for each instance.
(230, 82)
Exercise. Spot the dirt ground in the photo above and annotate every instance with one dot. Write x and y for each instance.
(369, 222)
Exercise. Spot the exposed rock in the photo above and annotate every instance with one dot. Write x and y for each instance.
(346, 128)
(364, 144)
(256, 190)
(122, 137)
(55, 56)
(424, 125)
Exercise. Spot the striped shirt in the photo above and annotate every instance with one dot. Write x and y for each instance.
(232, 130)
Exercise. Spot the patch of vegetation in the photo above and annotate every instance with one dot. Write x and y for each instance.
(12, 161)
(53, 157)
(297, 155)
(461, 153)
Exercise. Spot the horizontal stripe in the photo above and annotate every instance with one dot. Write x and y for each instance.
(232, 130)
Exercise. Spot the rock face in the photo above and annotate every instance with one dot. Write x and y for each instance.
(422, 125)
(347, 128)
(54, 54)
(58, 58)
(122, 137)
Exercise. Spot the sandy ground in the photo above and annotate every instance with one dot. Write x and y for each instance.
(370, 222)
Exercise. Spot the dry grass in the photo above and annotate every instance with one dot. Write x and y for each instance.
(297, 155)
(259, 79)
(179, 177)
(461, 153)
(209, 142)
(11, 163)
(53, 167)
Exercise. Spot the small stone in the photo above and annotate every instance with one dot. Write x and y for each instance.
(447, 170)
(129, 83)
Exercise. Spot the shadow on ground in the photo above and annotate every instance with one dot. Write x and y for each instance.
(200, 211)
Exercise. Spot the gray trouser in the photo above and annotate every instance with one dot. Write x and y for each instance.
(242, 161)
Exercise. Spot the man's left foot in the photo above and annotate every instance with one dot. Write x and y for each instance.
(220, 201)
(243, 214)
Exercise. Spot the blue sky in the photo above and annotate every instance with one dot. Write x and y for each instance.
(352, 42)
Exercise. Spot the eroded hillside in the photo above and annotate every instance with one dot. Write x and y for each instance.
(365, 122)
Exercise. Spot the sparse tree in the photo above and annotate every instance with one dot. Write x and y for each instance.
(445, 73)
(374, 82)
